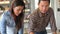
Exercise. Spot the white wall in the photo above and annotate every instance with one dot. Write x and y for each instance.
(36, 4)
(57, 14)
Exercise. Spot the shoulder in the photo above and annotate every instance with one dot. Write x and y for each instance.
(34, 13)
(5, 14)
(51, 11)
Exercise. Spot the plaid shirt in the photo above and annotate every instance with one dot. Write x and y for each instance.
(38, 21)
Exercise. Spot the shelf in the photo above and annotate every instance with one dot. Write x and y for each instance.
(27, 10)
(4, 2)
(26, 21)
(1, 11)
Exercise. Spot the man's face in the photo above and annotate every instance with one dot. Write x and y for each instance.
(43, 6)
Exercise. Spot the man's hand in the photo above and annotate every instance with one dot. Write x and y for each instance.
(31, 32)
(54, 32)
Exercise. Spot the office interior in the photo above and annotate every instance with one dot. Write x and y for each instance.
(30, 6)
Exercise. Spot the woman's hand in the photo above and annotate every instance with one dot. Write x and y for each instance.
(31, 32)
(54, 32)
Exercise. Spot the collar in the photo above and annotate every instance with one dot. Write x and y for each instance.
(41, 14)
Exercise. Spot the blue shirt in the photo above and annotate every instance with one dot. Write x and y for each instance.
(6, 20)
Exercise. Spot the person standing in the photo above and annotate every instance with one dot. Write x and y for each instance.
(12, 20)
(39, 19)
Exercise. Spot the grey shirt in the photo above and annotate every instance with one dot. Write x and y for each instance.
(38, 22)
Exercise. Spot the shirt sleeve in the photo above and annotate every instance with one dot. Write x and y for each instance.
(31, 23)
(3, 24)
(53, 22)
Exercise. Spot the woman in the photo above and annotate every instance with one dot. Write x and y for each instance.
(12, 20)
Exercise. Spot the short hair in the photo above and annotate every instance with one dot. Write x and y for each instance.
(44, 0)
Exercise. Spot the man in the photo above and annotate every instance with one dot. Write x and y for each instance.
(40, 18)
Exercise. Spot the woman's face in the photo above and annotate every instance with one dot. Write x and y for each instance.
(17, 10)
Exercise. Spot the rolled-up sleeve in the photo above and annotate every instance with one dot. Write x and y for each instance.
(3, 24)
(53, 22)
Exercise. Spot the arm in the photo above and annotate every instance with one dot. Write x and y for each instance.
(31, 24)
(53, 23)
(54, 32)
(31, 32)
(3, 25)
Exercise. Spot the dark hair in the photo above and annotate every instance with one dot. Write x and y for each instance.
(44, 0)
(19, 19)
(17, 3)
